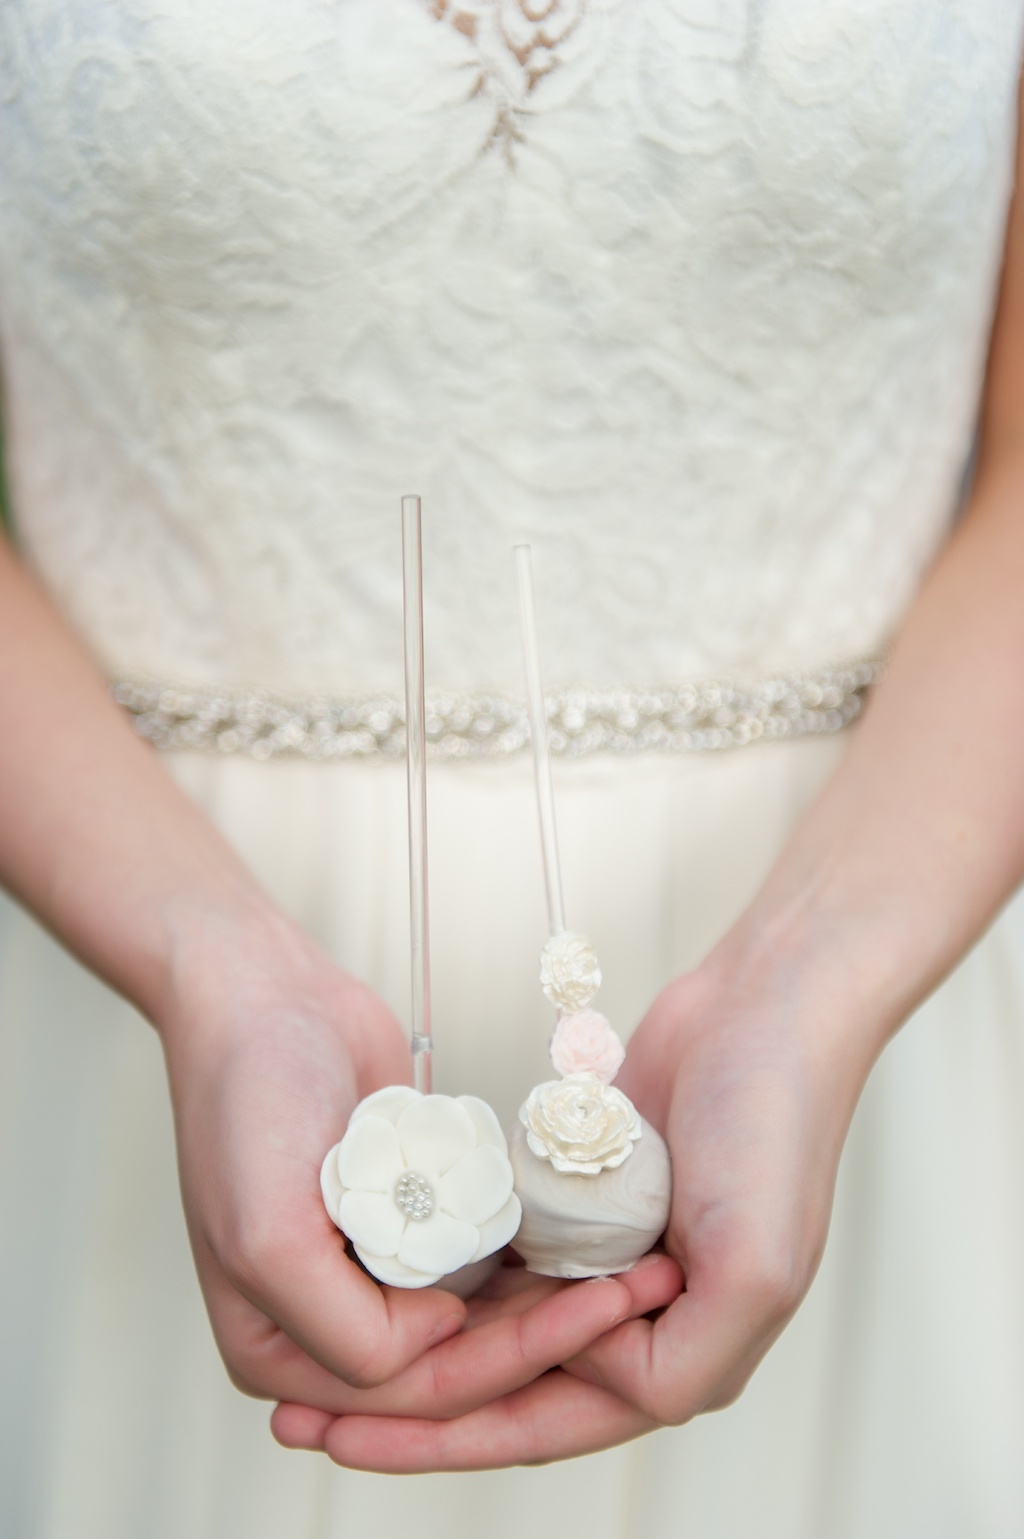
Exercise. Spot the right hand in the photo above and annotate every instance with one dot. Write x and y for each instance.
(269, 1048)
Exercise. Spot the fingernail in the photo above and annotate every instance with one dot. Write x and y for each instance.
(449, 1326)
(651, 1259)
(623, 1304)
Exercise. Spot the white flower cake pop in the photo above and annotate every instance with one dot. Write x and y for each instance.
(421, 1184)
(422, 1187)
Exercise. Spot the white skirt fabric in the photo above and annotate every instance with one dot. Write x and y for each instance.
(892, 1408)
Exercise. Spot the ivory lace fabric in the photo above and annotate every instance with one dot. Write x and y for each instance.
(692, 294)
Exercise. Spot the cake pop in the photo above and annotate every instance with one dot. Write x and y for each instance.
(593, 1177)
(421, 1184)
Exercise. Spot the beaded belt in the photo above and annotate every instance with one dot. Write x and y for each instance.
(706, 716)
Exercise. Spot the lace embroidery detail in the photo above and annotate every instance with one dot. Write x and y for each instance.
(517, 44)
(702, 717)
(710, 340)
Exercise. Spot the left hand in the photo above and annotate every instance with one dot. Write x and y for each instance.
(754, 1092)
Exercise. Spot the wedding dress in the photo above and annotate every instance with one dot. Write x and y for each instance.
(695, 296)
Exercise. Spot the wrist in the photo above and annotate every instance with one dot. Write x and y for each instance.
(219, 938)
(241, 970)
(843, 972)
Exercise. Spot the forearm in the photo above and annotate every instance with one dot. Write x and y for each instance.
(919, 837)
(95, 837)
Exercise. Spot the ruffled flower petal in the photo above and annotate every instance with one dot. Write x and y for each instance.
(388, 1103)
(439, 1244)
(477, 1187)
(434, 1133)
(372, 1222)
(580, 1124)
(500, 1230)
(585, 1043)
(569, 972)
(330, 1184)
(488, 1129)
(370, 1156)
(388, 1269)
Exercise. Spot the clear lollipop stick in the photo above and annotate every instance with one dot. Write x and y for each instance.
(416, 762)
(539, 734)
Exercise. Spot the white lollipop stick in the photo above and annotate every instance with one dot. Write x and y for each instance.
(539, 734)
(416, 756)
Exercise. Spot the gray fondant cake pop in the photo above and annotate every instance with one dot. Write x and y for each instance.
(593, 1177)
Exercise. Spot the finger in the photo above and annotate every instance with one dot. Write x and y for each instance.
(556, 1417)
(516, 1342)
(511, 1290)
(300, 1426)
(302, 1282)
(468, 1370)
(695, 1357)
(655, 1282)
(503, 1355)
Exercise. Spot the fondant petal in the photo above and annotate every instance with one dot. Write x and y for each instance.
(434, 1133)
(372, 1222)
(388, 1269)
(388, 1103)
(369, 1156)
(499, 1230)
(477, 1186)
(330, 1183)
(488, 1128)
(438, 1244)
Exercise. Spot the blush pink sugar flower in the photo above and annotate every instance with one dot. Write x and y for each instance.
(585, 1043)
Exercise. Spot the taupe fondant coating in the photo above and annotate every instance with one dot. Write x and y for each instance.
(587, 1226)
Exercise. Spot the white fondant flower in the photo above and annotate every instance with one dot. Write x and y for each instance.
(569, 972)
(422, 1185)
(586, 1043)
(581, 1125)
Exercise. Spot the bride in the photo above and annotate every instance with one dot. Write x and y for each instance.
(698, 299)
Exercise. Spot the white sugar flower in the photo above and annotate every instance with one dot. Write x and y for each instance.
(421, 1185)
(569, 971)
(581, 1125)
(586, 1043)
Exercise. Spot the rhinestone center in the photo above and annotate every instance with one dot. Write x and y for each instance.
(414, 1195)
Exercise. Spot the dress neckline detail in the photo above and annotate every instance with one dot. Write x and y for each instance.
(516, 45)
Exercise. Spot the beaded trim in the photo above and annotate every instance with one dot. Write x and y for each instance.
(701, 717)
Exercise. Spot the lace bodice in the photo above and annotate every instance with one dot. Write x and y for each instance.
(692, 294)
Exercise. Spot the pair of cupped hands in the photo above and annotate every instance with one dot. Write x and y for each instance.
(269, 1048)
